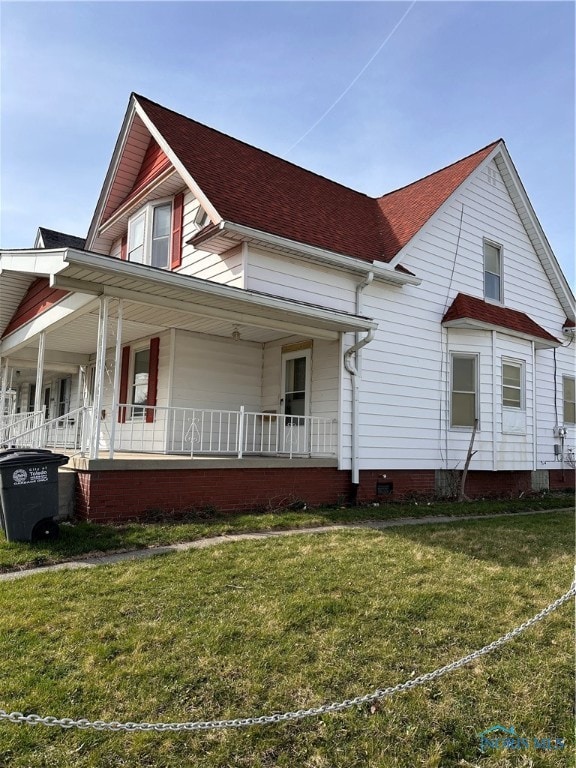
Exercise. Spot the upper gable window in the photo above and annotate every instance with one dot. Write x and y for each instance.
(149, 235)
(492, 271)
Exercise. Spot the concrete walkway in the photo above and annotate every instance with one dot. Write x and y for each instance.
(94, 560)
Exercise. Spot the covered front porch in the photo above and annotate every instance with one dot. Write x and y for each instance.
(132, 360)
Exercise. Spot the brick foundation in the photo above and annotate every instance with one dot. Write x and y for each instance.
(114, 496)
(562, 480)
(405, 483)
(106, 496)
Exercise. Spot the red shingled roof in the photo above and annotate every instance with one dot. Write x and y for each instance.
(406, 210)
(256, 189)
(464, 307)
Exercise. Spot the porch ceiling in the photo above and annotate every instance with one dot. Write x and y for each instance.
(139, 321)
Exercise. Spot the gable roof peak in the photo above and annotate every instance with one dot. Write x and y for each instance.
(484, 152)
(142, 100)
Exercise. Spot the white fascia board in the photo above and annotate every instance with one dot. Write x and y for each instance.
(174, 159)
(55, 316)
(537, 235)
(446, 204)
(35, 261)
(133, 204)
(187, 282)
(111, 173)
(382, 270)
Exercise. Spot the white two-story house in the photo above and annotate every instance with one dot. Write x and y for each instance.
(239, 332)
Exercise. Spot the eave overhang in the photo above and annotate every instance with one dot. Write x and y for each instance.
(218, 238)
(96, 275)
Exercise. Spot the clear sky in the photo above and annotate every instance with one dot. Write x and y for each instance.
(324, 84)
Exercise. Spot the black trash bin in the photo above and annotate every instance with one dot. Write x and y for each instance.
(29, 493)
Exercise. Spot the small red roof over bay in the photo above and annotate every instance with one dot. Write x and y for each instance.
(468, 307)
(251, 187)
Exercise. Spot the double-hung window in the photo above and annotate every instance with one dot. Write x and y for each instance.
(569, 398)
(149, 233)
(512, 384)
(464, 390)
(492, 271)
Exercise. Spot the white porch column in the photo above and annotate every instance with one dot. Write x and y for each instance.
(99, 376)
(40, 372)
(81, 420)
(117, 374)
(80, 387)
(3, 385)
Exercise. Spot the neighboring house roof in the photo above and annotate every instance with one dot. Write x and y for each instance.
(466, 307)
(49, 238)
(251, 187)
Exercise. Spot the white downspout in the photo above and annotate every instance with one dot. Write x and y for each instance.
(353, 368)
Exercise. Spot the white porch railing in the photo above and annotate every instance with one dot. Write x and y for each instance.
(188, 431)
(14, 425)
(70, 432)
(221, 432)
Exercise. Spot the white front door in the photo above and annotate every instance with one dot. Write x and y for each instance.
(295, 402)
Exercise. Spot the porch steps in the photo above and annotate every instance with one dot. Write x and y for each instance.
(66, 487)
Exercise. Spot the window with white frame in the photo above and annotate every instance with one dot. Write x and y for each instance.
(513, 384)
(569, 398)
(463, 390)
(492, 271)
(149, 233)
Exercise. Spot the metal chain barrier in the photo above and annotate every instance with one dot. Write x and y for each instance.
(206, 725)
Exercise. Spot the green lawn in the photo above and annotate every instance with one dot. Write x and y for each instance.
(276, 624)
(83, 538)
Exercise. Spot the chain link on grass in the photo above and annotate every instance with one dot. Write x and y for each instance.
(207, 725)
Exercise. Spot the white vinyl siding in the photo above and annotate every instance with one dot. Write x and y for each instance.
(226, 268)
(404, 389)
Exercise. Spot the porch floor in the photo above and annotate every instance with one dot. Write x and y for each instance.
(148, 461)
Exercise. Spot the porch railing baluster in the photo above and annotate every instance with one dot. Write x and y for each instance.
(182, 430)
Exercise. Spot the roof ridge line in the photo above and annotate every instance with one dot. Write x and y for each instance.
(257, 149)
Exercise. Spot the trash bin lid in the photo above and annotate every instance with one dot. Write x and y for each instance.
(24, 456)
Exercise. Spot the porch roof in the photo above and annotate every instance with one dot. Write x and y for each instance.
(172, 299)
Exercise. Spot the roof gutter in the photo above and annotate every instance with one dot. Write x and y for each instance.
(381, 271)
(176, 279)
